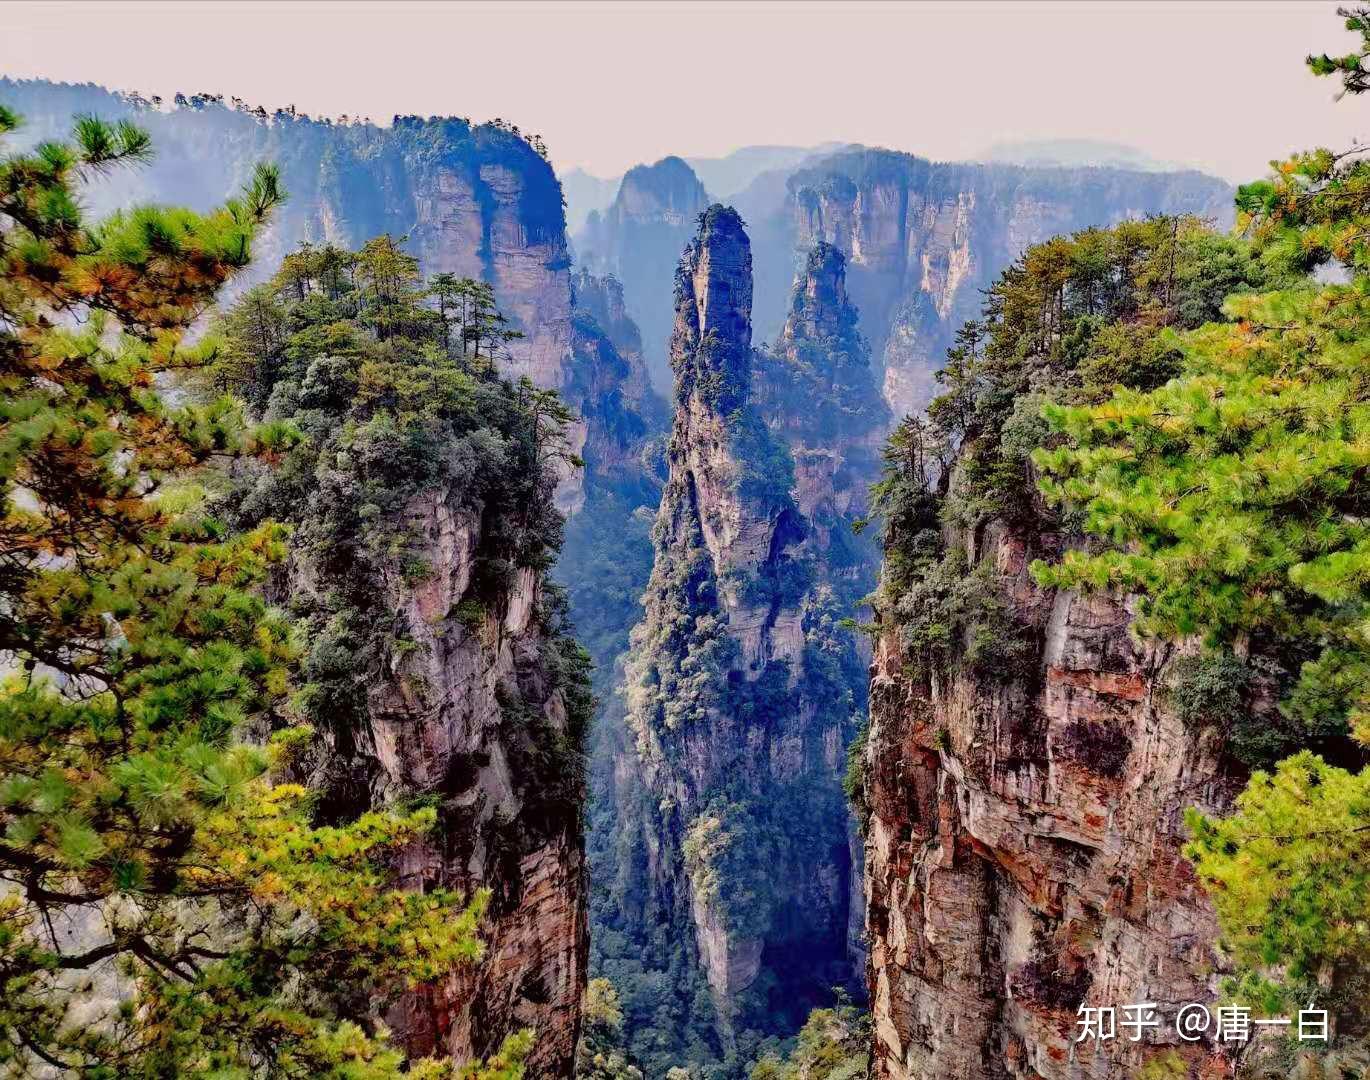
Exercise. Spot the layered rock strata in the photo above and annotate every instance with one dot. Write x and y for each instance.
(1023, 851)
(472, 714)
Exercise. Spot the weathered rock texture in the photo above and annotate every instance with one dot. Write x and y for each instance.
(923, 239)
(467, 713)
(736, 689)
(1023, 847)
(474, 200)
(638, 240)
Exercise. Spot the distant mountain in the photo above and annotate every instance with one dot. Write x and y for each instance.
(638, 240)
(726, 176)
(1078, 153)
(585, 194)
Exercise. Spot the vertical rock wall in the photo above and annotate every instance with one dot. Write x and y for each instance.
(923, 238)
(1023, 853)
(736, 696)
(467, 717)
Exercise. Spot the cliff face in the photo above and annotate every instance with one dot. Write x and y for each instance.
(923, 239)
(487, 206)
(469, 714)
(638, 240)
(733, 830)
(1023, 842)
(473, 701)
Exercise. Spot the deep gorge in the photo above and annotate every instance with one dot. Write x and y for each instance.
(755, 691)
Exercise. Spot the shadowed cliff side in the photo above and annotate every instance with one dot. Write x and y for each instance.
(728, 893)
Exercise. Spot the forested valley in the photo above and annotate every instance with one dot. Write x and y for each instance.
(810, 615)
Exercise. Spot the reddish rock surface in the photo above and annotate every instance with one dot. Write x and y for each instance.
(1024, 850)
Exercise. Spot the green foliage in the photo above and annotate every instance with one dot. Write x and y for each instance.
(1350, 69)
(907, 505)
(1288, 873)
(731, 853)
(1209, 690)
(854, 779)
(222, 921)
(680, 653)
(952, 613)
(1073, 318)
(1169, 1065)
(601, 1054)
(1229, 498)
(834, 1044)
(1217, 690)
(765, 467)
(1233, 500)
(605, 564)
(395, 390)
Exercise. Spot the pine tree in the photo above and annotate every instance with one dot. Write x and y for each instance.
(214, 923)
(473, 328)
(1233, 499)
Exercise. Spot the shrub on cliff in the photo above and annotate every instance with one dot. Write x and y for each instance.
(1233, 499)
(216, 921)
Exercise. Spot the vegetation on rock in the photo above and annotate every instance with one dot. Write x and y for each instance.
(206, 919)
(1231, 499)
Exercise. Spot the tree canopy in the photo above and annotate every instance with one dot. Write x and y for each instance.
(169, 905)
(1232, 500)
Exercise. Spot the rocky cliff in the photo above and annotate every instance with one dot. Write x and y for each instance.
(924, 239)
(439, 667)
(461, 681)
(1030, 755)
(476, 712)
(1023, 845)
(739, 700)
(601, 299)
(638, 240)
(818, 395)
(474, 199)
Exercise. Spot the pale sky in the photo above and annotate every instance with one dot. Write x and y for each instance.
(1217, 85)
